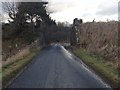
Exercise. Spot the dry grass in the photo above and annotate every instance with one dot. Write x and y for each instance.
(13, 68)
(101, 38)
(9, 47)
(19, 55)
(108, 73)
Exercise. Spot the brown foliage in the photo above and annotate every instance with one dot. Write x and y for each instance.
(100, 38)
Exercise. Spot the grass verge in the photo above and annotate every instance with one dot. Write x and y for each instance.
(108, 73)
(11, 70)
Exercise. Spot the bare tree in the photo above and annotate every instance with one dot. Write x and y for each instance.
(11, 8)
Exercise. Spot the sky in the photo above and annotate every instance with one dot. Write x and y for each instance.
(67, 10)
(88, 10)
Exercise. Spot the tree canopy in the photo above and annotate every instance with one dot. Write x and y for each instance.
(27, 18)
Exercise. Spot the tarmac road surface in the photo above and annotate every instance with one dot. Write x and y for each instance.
(55, 67)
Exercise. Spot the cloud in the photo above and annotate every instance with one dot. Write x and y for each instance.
(107, 9)
(119, 11)
(86, 14)
(60, 5)
(67, 10)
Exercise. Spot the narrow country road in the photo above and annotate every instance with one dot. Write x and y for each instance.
(55, 67)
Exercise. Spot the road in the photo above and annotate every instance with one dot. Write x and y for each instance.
(55, 67)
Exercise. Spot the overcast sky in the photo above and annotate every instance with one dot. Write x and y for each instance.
(100, 10)
(67, 10)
